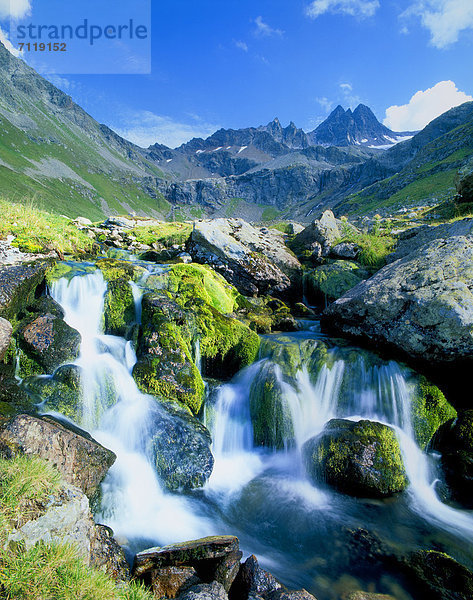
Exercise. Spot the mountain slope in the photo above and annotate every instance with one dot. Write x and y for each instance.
(425, 166)
(52, 151)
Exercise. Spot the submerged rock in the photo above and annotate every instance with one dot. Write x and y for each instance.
(180, 445)
(81, 460)
(454, 440)
(437, 576)
(358, 458)
(421, 305)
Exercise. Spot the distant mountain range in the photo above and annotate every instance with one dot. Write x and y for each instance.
(52, 151)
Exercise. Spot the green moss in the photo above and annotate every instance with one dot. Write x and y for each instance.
(332, 280)
(119, 307)
(360, 458)
(119, 269)
(193, 282)
(269, 409)
(28, 366)
(429, 410)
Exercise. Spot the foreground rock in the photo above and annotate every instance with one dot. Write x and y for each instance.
(421, 305)
(454, 440)
(211, 559)
(358, 458)
(255, 262)
(81, 460)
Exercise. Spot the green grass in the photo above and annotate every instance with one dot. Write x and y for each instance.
(270, 213)
(36, 230)
(45, 571)
(164, 233)
(374, 247)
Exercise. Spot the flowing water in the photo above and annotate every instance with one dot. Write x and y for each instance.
(302, 533)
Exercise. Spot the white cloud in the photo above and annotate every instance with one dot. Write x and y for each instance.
(8, 45)
(241, 45)
(445, 19)
(15, 9)
(346, 87)
(424, 106)
(325, 103)
(266, 30)
(145, 128)
(355, 8)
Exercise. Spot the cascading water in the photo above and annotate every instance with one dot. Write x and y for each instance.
(117, 414)
(260, 495)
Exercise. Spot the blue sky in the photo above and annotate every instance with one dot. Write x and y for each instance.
(239, 63)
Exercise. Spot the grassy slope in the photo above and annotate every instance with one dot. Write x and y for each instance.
(428, 178)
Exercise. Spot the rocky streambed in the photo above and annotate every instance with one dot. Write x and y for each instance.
(189, 399)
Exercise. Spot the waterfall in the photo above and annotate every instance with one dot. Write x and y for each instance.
(117, 415)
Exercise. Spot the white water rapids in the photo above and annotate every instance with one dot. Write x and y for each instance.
(117, 414)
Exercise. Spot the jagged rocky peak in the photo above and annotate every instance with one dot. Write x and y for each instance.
(355, 128)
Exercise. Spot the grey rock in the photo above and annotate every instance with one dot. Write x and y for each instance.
(6, 331)
(82, 221)
(346, 250)
(81, 460)
(254, 262)
(252, 580)
(122, 222)
(170, 582)
(298, 595)
(319, 237)
(412, 239)
(68, 520)
(421, 304)
(205, 591)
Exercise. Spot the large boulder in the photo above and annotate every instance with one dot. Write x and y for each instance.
(49, 341)
(180, 445)
(412, 239)
(19, 284)
(256, 263)
(358, 458)
(81, 460)
(454, 440)
(421, 305)
(269, 408)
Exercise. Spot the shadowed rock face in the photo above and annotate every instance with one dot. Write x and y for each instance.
(6, 330)
(81, 460)
(18, 284)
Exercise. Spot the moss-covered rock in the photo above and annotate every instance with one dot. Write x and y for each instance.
(330, 281)
(437, 576)
(430, 409)
(55, 396)
(454, 439)
(358, 458)
(20, 285)
(269, 409)
(180, 446)
(119, 307)
(196, 282)
(165, 365)
(119, 269)
(265, 314)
